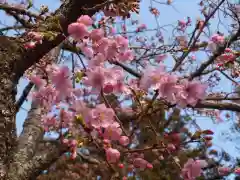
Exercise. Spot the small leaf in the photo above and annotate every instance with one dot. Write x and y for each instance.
(197, 135)
(30, 4)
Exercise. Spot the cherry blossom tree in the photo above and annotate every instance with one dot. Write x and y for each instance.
(117, 109)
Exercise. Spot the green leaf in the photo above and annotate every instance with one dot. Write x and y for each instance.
(187, 118)
(30, 4)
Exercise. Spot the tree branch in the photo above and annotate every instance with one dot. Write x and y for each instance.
(68, 13)
(219, 51)
(32, 129)
(42, 160)
(219, 105)
(18, 10)
(24, 95)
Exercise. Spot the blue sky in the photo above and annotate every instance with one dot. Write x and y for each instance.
(168, 15)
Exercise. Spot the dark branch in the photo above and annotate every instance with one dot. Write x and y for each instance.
(219, 51)
(24, 95)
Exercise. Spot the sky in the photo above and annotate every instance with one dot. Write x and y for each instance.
(168, 15)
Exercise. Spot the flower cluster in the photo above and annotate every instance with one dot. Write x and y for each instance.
(102, 49)
(182, 92)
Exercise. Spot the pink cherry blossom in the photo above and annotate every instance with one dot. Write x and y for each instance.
(141, 163)
(151, 76)
(218, 39)
(112, 49)
(124, 140)
(112, 155)
(87, 51)
(49, 122)
(95, 77)
(66, 118)
(112, 132)
(237, 171)
(78, 92)
(126, 56)
(224, 171)
(101, 46)
(30, 45)
(97, 60)
(122, 42)
(37, 81)
(73, 143)
(160, 58)
(102, 116)
(96, 34)
(60, 78)
(78, 30)
(86, 20)
(191, 92)
(168, 88)
(45, 97)
(193, 169)
(80, 108)
(182, 23)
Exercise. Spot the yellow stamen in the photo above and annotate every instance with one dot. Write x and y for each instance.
(102, 116)
(79, 119)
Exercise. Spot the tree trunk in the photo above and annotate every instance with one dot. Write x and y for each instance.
(8, 83)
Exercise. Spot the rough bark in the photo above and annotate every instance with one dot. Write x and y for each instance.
(9, 53)
(30, 137)
(49, 153)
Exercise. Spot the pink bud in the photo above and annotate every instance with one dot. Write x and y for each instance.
(106, 141)
(108, 88)
(237, 171)
(30, 45)
(228, 50)
(124, 178)
(65, 141)
(86, 20)
(74, 143)
(120, 165)
(181, 23)
(149, 166)
(124, 140)
(113, 155)
(171, 147)
(224, 170)
(74, 155)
